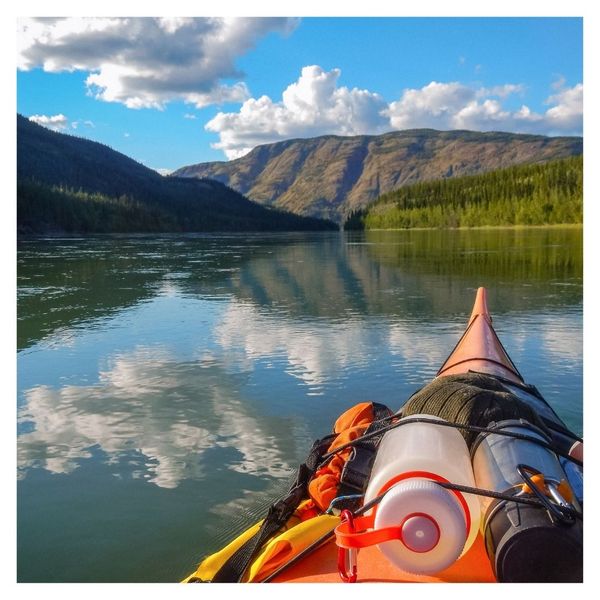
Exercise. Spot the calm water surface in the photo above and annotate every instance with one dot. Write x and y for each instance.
(168, 386)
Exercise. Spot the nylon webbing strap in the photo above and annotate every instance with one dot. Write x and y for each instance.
(357, 469)
(233, 570)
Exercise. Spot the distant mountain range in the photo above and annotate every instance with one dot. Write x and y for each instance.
(70, 184)
(332, 176)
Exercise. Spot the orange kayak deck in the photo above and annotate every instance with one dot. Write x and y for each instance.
(321, 567)
(479, 348)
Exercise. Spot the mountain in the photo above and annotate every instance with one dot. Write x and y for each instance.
(70, 184)
(332, 176)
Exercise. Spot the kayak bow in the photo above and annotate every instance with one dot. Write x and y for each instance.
(479, 349)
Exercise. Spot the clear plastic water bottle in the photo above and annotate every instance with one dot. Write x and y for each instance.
(437, 525)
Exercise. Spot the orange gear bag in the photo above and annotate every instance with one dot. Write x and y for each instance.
(327, 481)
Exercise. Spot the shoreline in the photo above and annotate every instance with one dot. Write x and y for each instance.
(59, 234)
(549, 226)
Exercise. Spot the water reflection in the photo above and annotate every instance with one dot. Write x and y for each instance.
(191, 373)
(170, 412)
(415, 274)
(313, 354)
(563, 338)
(334, 313)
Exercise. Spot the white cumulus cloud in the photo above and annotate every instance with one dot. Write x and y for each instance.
(432, 106)
(567, 112)
(458, 106)
(316, 105)
(60, 122)
(147, 62)
(54, 122)
(313, 105)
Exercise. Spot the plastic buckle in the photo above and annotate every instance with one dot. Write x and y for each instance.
(347, 563)
(357, 468)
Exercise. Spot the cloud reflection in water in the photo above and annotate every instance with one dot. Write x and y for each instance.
(146, 402)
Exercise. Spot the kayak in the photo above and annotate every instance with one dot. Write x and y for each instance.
(480, 349)
(475, 479)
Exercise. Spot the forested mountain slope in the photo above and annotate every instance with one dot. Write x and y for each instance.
(331, 176)
(66, 183)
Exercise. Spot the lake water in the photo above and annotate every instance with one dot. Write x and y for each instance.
(168, 386)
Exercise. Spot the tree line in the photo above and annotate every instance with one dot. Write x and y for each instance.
(43, 208)
(534, 194)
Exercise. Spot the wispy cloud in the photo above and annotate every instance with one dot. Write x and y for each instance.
(316, 105)
(87, 123)
(501, 91)
(147, 62)
(558, 83)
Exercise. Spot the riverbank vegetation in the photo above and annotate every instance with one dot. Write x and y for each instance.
(537, 194)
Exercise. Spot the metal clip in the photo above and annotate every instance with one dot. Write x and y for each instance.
(554, 489)
(347, 563)
(562, 511)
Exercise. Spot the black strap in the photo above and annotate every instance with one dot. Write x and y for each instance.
(234, 568)
(357, 469)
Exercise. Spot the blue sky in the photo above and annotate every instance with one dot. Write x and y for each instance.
(171, 93)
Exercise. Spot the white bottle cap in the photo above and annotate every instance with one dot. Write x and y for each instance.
(433, 525)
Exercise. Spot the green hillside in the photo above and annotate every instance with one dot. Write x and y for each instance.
(69, 184)
(538, 194)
